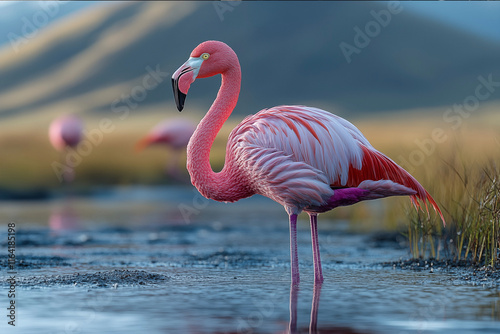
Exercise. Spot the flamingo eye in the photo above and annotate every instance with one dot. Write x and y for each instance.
(205, 56)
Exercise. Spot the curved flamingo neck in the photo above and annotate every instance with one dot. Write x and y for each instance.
(213, 185)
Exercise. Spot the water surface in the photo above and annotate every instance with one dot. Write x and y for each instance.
(226, 270)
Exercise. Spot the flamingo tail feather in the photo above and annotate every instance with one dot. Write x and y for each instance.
(376, 166)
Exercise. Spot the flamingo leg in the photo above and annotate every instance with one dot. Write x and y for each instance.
(68, 173)
(174, 159)
(293, 250)
(318, 274)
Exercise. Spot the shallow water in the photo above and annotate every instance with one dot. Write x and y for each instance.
(223, 268)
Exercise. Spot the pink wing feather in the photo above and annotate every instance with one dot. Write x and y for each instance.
(296, 154)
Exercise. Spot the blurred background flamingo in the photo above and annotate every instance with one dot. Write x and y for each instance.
(173, 134)
(65, 133)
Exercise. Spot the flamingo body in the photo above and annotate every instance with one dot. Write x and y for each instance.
(304, 158)
(65, 131)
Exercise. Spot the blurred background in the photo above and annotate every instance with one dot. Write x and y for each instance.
(421, 80)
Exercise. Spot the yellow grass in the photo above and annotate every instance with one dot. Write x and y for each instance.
(26, 154)
(473, 146)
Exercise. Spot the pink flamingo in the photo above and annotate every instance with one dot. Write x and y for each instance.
(304, 158)
(173, 133)
(66, 132)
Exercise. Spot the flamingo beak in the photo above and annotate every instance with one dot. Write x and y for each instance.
(179, 96)
(183, 78)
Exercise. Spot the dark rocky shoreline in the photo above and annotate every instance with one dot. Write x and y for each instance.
(465, 271)
(101, 279)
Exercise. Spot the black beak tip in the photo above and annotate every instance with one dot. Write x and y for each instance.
(179, 96)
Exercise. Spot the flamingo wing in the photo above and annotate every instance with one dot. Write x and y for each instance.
(307, 153)
(275, 174)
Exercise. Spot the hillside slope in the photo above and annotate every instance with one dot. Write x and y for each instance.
(289, 51)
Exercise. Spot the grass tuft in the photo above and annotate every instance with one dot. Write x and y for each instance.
(471, 200)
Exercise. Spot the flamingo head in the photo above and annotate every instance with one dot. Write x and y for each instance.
(207, 59)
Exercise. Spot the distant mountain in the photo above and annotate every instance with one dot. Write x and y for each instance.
(479, 17)
(289, 51)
